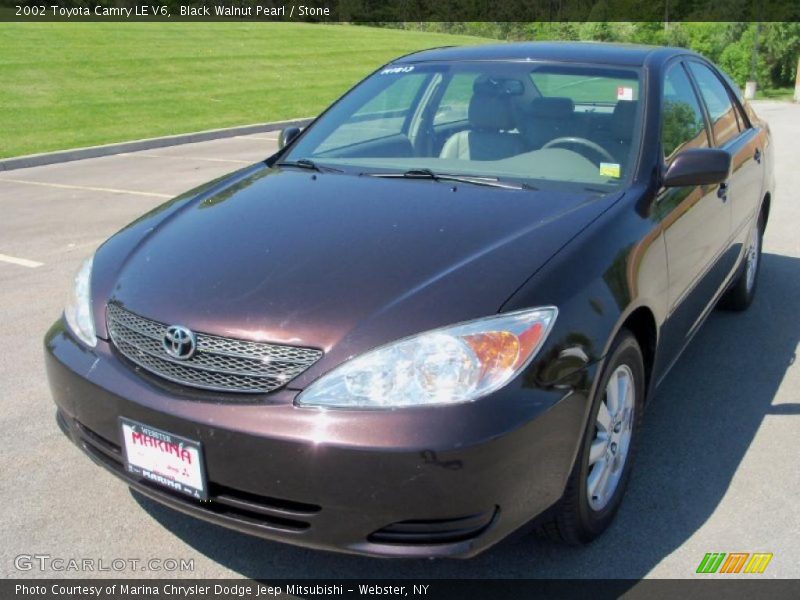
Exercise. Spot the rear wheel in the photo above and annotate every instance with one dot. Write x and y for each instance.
(600, 475)
(742, 291)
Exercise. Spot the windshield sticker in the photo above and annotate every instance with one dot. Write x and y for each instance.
(393, 70)
(624, 93)
(609, 170)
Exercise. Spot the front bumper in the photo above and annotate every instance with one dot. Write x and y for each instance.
(448, 481)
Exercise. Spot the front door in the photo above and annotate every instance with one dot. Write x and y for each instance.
(696, 220)
(732, 132)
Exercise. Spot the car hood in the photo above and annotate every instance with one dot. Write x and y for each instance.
(333, 261)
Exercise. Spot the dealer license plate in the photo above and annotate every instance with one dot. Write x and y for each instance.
(164, 458)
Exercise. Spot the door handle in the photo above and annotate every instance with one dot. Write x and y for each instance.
(757, 155)
(722, 191)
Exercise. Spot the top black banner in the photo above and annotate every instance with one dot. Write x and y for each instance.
(393, 11)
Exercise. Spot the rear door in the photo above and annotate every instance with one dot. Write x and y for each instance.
(732, 131)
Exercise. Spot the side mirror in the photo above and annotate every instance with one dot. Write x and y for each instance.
(287, 136)
(698, 166)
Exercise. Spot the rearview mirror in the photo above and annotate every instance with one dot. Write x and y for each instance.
(287, 136)
(698, 166)
(499, 86)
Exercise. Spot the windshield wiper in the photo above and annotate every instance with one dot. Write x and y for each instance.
(422, 173)
(425, 173)
(307, 163)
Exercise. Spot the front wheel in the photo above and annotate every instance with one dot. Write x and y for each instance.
(603, 466)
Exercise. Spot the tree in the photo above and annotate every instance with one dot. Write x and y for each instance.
(728, 44)
(737, 60)
(781, 43)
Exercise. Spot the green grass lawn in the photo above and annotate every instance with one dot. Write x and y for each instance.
(784, 93)
(66, 85)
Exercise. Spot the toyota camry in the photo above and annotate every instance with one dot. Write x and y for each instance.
(436, 314)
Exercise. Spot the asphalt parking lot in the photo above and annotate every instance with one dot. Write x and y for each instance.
(718, 469)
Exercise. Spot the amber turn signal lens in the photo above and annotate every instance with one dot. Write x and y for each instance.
(495, 350)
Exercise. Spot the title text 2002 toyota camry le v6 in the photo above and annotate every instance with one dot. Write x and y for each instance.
(436, 313)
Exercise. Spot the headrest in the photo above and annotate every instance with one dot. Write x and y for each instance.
(623, 119)
(553, 107)
(490, 112)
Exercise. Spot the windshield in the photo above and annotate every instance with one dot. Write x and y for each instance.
(544, 124)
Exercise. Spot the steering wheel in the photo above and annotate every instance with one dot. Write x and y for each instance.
(579, 141)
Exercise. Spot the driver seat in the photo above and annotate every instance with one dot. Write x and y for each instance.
(622, 121)
(488, 137)
(548, 118)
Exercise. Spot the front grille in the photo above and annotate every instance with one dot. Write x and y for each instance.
(219, 363)
(232, 504)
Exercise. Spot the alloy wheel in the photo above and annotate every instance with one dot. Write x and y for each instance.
(613, 430)
(751, 267)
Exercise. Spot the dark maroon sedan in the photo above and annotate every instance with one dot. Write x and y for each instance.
(436, 314)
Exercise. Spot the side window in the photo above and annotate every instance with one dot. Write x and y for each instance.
(741, 119)
(454, 105)
(718, 102)
(393, 101)
(382, 116)
(738, 101)
(682, 123)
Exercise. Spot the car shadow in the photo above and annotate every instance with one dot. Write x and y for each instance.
(697, 431)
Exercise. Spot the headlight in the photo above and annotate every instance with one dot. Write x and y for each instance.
(78, 311)
(454, 364)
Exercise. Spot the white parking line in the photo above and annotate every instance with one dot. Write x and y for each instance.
(222, 160)
(23, 262)
(87, 188)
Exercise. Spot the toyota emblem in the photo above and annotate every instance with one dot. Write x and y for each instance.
(179, 342)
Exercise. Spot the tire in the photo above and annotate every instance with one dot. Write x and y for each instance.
(580, 516)
(741, 292)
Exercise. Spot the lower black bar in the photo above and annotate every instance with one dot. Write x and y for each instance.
(429, 589)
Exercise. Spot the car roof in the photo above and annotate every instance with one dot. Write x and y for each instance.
(585, 52)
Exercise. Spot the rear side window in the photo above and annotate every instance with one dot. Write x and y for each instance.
(718, 102)
(586, 88)
(682, 123)
(455, 100)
